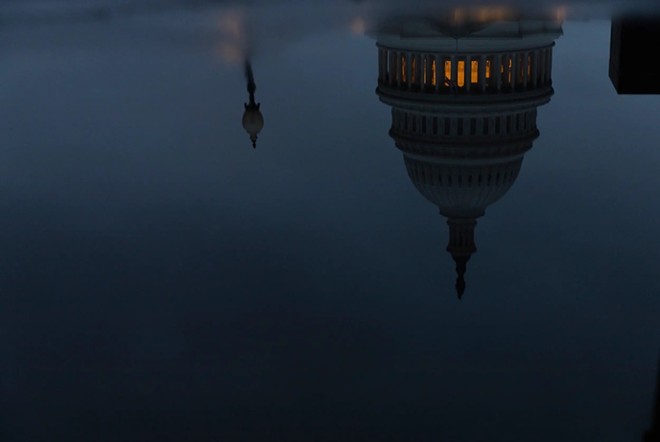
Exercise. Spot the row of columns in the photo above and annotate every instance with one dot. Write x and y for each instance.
(520, 70)
(513, 124)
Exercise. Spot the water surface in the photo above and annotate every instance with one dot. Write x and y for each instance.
(164, 280)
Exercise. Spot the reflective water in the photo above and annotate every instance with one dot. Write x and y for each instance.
(164, 280)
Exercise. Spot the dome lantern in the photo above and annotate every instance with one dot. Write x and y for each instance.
(253, 120)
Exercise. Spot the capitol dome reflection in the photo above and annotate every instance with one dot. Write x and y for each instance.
(464, 90)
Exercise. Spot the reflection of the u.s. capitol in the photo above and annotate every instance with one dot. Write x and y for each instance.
(464, 90)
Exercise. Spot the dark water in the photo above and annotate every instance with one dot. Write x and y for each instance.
(164, 281)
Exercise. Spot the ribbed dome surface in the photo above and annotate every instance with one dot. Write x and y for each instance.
(462, 190)
(252, 120)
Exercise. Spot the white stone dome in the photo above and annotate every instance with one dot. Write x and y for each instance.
(462, 189)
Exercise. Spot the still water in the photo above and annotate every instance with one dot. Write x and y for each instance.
(448, 229)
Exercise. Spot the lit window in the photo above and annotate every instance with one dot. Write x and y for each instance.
(448, 70)
(474, 71)
(433, 73)
(488, 65)
(424, 69)
(404, 77)
(413, 65)
(461, 74)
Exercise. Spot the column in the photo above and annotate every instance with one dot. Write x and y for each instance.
(497, 71)
(439, 72)
(397, 68)
(381, 66)
(388, 67)
(454, 73)
(514, 70)
(386, 59)
(391, 74)
(422, 71)
(542, 67)
(425, 67)
(428, 61)
(482, 73)
(408, 56)
(468, 73)
(535, 68)
(443, 60)
(417, 74)
(505, 73)
(549, 75)
(525, 70)
(414, 66)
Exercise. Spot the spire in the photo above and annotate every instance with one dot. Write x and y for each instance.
(252, 121)
(653, 435)
(461, 264)
(461, 247)
(251, 85)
